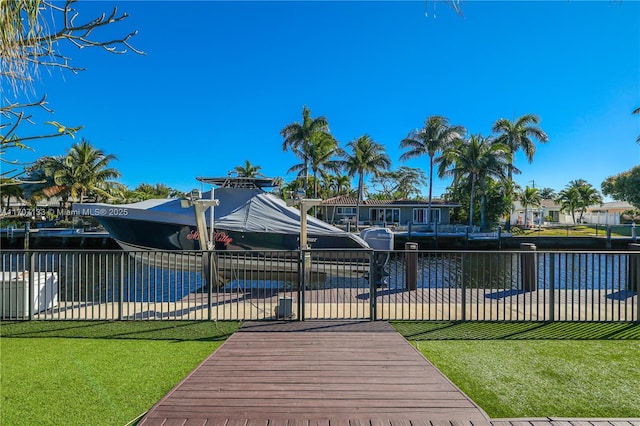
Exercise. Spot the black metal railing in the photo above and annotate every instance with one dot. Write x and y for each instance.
(514, 285)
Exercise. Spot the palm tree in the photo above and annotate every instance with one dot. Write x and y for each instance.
(367, 156)
(476, 159)
(518, 135)
(434, 137)
(547, 193)
(146, 191)
(577, 196)
(529, 197)
(51, 177)
(339, 184)
(82, 171)
(10, 189)
(588, 195)
(298, 137)
(248, 170)
(324, 158)
(321, 154)
(569, 200)
(89, 169)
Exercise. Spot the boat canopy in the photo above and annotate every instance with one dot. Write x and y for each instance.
(240, 209)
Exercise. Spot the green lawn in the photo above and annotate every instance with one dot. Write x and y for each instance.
(537, 370)
(97, 373)
(573, 231)
(63, 373)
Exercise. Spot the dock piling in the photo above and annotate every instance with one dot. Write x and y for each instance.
(633, 268)
(411, 265)
(528, 271)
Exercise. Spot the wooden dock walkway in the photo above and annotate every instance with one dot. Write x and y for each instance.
(315, 372)
(326, 373)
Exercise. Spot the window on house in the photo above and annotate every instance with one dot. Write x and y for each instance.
(384, 215)
(420, 215)
(346, 211)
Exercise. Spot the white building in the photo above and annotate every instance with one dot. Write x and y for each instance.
(609, 213)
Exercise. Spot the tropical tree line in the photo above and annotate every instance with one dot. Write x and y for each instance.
(474, 162)
(573, 199)
(34, 34)
(481, 169)
(84, 173)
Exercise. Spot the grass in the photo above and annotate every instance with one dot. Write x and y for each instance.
(537, 369)
(573, 231)
(96, 372)
(112, 372)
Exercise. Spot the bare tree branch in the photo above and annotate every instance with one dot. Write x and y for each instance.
(29, 42)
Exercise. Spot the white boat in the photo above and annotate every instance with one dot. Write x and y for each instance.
(247, 218)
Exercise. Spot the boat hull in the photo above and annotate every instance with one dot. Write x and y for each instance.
(140, 234)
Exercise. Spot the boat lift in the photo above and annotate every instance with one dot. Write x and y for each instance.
(200, 206)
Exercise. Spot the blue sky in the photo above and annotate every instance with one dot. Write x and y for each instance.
(221, 79)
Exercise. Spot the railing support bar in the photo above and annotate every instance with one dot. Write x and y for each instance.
(121, 289)
(373, 287)
(464, 286)
(552, 287)
(32, 269)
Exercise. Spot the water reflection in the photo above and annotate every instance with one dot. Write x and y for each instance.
(103, 276)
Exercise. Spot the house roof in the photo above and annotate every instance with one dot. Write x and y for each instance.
(612, 205)
(546, 203)
(344, 200)
(549, 203)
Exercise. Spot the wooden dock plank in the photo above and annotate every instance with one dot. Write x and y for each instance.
(325, 373)
(367, 374)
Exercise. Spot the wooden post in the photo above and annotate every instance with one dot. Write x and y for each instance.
(411, 266)
(528, 271)
(633, 268)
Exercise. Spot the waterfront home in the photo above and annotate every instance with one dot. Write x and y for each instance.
(392, 213)
(610, 213)
(547, 213)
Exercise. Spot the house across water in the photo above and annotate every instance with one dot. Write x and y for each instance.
(549, 212)
(342, 211)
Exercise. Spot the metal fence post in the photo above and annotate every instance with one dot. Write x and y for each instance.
(32, 269)
(121, 295)
(464, 285)
(299, 290)
(373, 287)
(302, 278)
(633, 274)
(552, 287)
(210, 278)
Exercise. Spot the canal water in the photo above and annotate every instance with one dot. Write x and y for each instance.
(104, 276)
